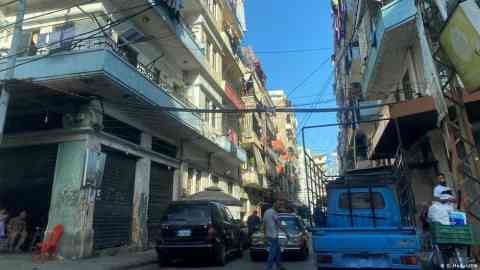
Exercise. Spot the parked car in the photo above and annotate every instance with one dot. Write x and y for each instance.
(199, 228)
(297, 243)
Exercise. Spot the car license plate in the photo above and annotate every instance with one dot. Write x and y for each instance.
(184, 233)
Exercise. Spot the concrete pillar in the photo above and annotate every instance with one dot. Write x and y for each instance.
(178, 179)
(141, 198)
(72, 203)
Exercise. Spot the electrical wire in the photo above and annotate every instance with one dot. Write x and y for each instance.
(292, 51)
(311, 74)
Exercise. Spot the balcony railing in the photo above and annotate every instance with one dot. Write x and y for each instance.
(231, 4)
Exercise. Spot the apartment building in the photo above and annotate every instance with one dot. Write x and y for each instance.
(258, 129)
(86, 142)
(285, 144)
(416, 57)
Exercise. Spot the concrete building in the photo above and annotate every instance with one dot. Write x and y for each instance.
(285, 144)
(86, 141)
(398, 52)
(302, 176)
(258, 130)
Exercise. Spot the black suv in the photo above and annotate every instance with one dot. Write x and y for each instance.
(198, 228)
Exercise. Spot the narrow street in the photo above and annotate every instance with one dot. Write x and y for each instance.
(236, 264)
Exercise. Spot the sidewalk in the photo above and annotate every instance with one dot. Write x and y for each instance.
(120, 261)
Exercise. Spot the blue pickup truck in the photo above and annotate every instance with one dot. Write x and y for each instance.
(362, 227)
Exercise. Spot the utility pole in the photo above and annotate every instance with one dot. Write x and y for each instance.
(12, 61)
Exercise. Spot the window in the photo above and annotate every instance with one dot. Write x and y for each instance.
(212, 7)
(230, 188)
(407, 87)
(188, 212)
(361, 200)
(228, 214)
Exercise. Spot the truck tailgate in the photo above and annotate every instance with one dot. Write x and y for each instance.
(371, 240)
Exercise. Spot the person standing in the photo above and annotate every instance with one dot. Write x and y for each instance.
(3, 222)
(441, 187)
(17, 232)
(272, 226)
(253, 222)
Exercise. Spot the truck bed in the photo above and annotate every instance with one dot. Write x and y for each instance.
(361, 240)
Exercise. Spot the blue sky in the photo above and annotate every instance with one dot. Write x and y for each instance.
(295, 25)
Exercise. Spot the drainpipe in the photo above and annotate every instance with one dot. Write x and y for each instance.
(12, 61)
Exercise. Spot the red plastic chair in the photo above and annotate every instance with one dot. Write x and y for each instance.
(49, 247)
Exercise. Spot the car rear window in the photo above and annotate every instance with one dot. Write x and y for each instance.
(187, 212)
(291, 224)
(361, 200)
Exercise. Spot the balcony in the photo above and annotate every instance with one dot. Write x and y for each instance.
(253, 182)
(232, 14)
(227, 146)
(95, 67)
(233, 96)
(395, 32)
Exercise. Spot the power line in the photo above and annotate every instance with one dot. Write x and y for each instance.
(292, 51)
(305, 80)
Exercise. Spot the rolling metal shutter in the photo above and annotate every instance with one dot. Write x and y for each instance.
(161, 190)
(114, 202)
(26, 179)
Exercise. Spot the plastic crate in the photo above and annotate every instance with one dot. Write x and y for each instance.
(458, 235)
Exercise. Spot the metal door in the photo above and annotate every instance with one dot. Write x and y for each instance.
(161, 191)
(114, 202)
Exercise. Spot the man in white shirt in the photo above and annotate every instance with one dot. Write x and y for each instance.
(440, 187)
(272, 226)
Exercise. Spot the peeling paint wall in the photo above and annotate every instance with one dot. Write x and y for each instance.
(140, 198)
(71, 205)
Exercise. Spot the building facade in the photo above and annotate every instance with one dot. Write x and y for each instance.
(405, 54)
(285, 144)
(86, 142)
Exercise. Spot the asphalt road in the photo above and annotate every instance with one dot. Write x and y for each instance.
(236, 264)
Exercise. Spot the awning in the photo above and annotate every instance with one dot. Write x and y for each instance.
(415, 118)
(215, 194)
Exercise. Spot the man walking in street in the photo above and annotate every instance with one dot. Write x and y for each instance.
(272, 226)
(253, 222)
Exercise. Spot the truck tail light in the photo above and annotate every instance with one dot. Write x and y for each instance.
(324, 259)
(409, 260)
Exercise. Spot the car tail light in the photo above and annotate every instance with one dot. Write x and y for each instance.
(324, 259)
(211, 232)
(409, 260)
